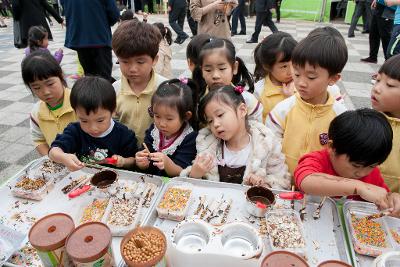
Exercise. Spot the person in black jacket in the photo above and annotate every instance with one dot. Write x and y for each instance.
(177, 13)
(263, 17)
(32, 13)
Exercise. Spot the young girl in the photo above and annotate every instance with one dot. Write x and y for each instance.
(38, 40)
(212, 16)
(163, 66)
(385, 97)
(170, 142)
(273, 70)
(218, 65)
(233, 149)
(53, 112)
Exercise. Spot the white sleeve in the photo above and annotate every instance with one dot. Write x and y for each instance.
(254, 107)
(36, 133)
(275, 120)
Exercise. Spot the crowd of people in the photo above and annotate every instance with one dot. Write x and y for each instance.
(284, 124)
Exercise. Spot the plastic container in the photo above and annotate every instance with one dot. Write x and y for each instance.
(393, 225)
(48, 237)
(38, 193)
(283, 258)
(175, 201)
(89, 245)
(333, 263)
(389, 259)
(285, 226)
(93, 211)
(153, 260)
(363, 247)
(10, 241)
(50, 169)
(122, 215)
(235, 240)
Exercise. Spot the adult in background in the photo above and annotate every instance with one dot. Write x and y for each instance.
(192, 23)
(212, 16)
(177, 14)
(362, 9)
(278, 4)
(32, 13)
(379, 31)
(263, 17)
(89, 33)
(238, 14)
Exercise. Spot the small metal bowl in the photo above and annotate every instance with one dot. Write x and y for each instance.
(262, 195)
(103, 181)
(241, 240)
(191, 237)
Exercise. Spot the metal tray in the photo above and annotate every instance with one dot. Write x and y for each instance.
(367, 208)
(325, 237)
(56, 201)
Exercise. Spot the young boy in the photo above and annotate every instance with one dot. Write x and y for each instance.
(96, 136)
(386, 98)
(359, 141)
(136, 46)
(302, 120)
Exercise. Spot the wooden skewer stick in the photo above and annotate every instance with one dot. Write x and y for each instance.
(292, 201)
(317, 212)
(303, 209)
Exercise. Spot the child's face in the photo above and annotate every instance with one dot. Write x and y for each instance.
(45, 41)
(385, 96)
(137, 69)
(167, 119)
(224, 121)
(281, 72)
(96, 123)
(345, 168)
(312, 82)
(216, 69)
(50, 90)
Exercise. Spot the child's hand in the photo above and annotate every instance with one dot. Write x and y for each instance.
(254, 180)
(120, 161)
(159, 159)
(288, 88)
(374, 194)
(142, 159)
(72, 162)
(202, 164)
(394, 204)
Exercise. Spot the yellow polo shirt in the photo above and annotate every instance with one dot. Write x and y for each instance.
(390, 169)
(302, 127)
(132, 108)
(46, 124)
(268, 94)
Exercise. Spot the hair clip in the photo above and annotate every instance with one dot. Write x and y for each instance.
(150, 111)
(239, 89)
(184, 80)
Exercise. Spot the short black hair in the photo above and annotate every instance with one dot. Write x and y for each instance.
(180, 95)
(133, 38)
(274, 47)
(194, 47)
(40, 65)
(127, 15)
(91, 93)
(324, 47)
(391, 67)
(36, 34)
(364, 135)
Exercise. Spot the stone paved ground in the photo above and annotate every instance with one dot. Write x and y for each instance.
(16, 101)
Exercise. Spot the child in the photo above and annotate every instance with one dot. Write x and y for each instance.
(163, 66)
(358, 141)
(302, 120)
(38, 39)
(170, 141)
(233, 149)
(136, 46)
(96, 136)
(219, 66)
(386, 98)
(273, 58)
(53, 112)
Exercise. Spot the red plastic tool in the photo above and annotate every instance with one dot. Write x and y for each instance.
(291, 195)
(79, 191)
(111, 161)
